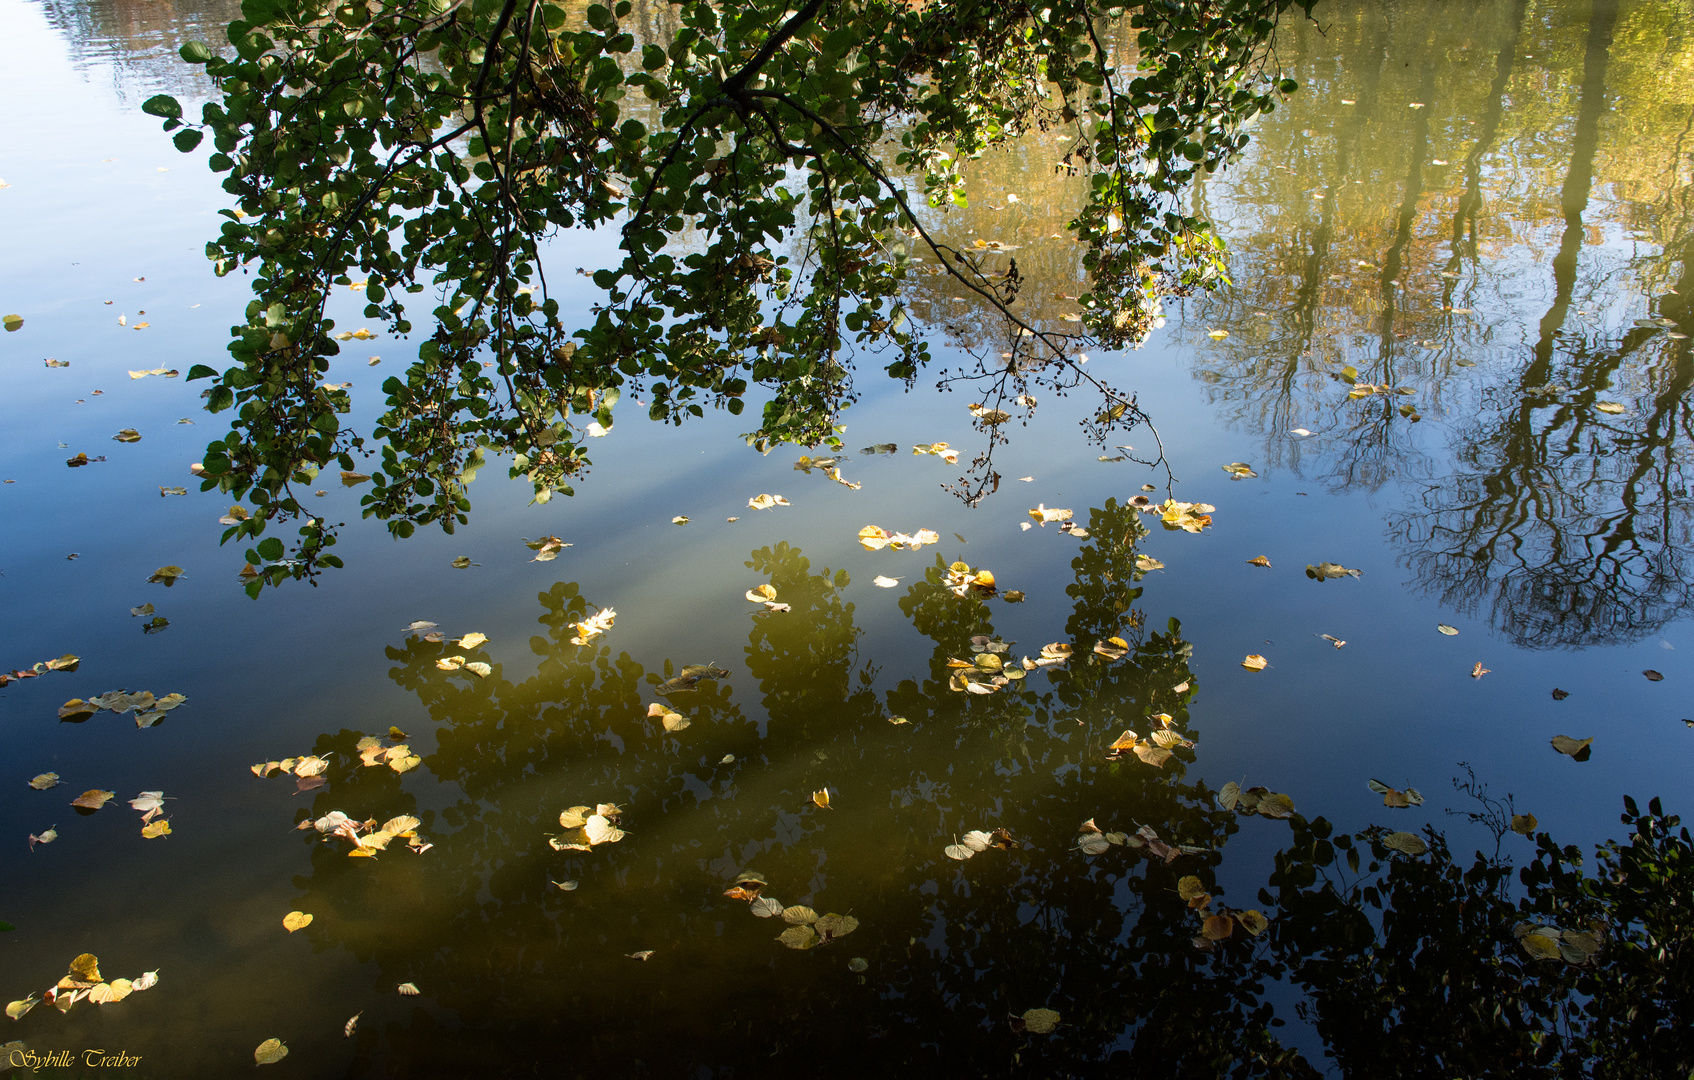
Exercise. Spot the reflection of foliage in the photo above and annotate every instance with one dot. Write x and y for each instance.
(1415, 965)
(953, 949)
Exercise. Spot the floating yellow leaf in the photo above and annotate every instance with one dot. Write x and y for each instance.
(44, 781)
(1541, 946)
(1147, 564)
(156, 829)
(1040, 1021)
(93, 799)
(1406, 843)
(882, 582)
(546, 549)
(296, 920)
(1275, 805)
(1524, 824)
(760, 594)
(1609, 407)
(680, 519)
(270, 1052)
(821, 798)
(1253, 921)
(1254, 662)
(1240, 470)
(471, 641)
(1323, 571)
(799, 937)
(1259, 561)
(799, 914)
(1042, 514)
(593, 627)
(1450, 631)
(1578, 749)
(765, 502)
(640, 954)
(672, 720)
(17, 1009)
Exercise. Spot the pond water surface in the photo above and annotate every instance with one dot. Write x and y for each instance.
(1491, 212)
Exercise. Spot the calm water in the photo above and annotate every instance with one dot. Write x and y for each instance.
(1489, 211)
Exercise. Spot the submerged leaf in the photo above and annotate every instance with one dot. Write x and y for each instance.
(1040, 1021)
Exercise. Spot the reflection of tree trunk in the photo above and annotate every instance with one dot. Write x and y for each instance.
(1393, 259)
(1464, 215)
(1579, 181)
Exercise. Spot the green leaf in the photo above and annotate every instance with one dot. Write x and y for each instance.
(13, 322)
(187, 139)
(162, 105)
(194, 52)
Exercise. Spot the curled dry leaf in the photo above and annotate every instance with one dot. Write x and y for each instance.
(1254, 662)
(46, 836)
(1479, 671)
(1240, 470)
(348, 1028)
(640, 954)
(156, 829)
(1450, 631)
(821, 798)
(766, 907)
(761, 594)
(766, 502)
(407, 989)
(1260, 560)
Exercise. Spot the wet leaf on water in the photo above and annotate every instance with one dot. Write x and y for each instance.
(599, 829)
(1240, 470)
(1229, 795)
(766, 502)
(1253, 921)
(689, 677)
(13, 323)
(1254, 662)
(680, 519)
(833, 926)
(568, 885)
(17, 1009)
(1524, 824)
(1323, 571)
(1276, 805)
(1217, 927)
(765, 907)
(150, 804)
(799, 937)
(1653, 676)
(1611, 407)
(270, 1052)
(1193, 891)
(1479, 671)
(820, 798)
(93, 799)
(296, 920)
(898, 720)
(407, 989)
(163, 491)
(881, 448)
(760, 594)
(593, 627)
(1406, 843)
(941, 450)
(875, 538)
(156, 829)
(1450, 631)
(1577, 749)
(546, 549)
(1040, 1021)
(1333, 640)
(463, 562)
(1042, 514)
(640, 954)
(1259, 561)
(1300, 431)
(1186, 517)
(236, 515)
(882, 582)
(471, 641)
(1395, 797)
(1147, 564)
(1540, 945)
(44, 781)
(166, 575)
(672, 720)
(46, 836)
(799, 914)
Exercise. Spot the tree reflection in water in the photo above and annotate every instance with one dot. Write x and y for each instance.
(521, 977)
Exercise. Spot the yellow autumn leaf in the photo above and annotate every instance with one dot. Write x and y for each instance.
(1254, 662)
(296, 920)
(270, 1052)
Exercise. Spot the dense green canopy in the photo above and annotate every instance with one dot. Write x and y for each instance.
(767, 169)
